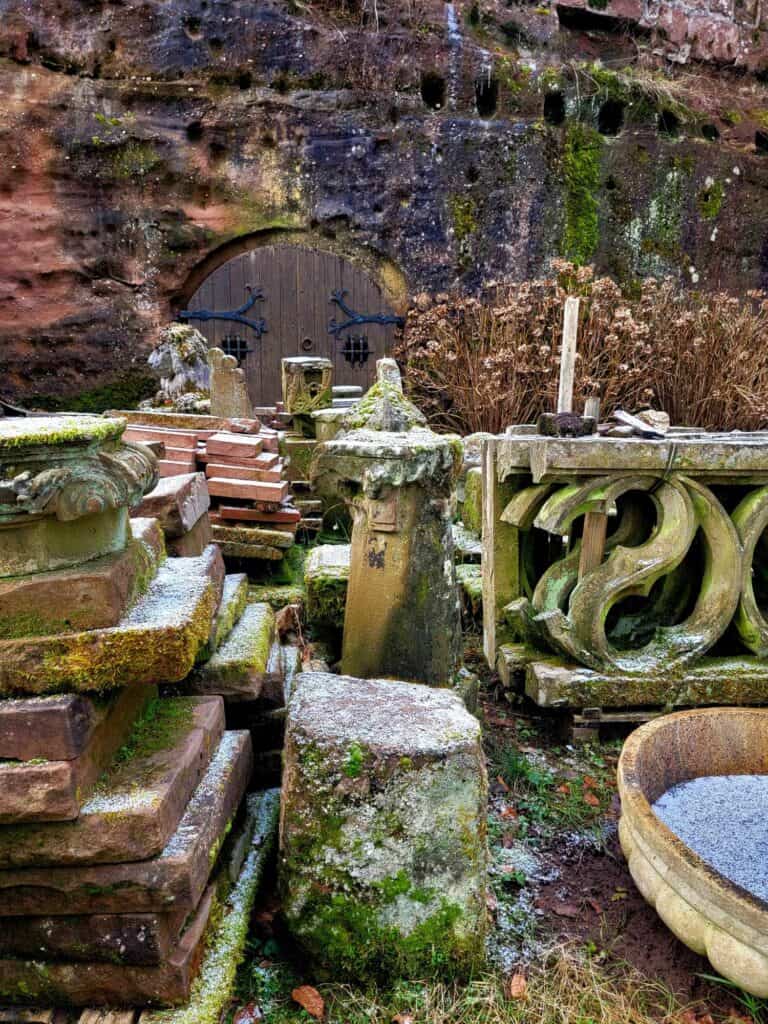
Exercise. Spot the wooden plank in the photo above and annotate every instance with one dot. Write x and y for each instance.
(592, 542)
(568, 354)
(248, 489)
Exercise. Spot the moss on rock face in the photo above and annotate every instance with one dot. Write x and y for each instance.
(581, 177)
(383, 855)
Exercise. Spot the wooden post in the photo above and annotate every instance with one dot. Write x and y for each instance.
(568, 354)
(595, 523)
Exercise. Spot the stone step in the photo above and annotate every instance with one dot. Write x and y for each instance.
(156, 641)
(247, 665)
(326, 578)
(110, 984)
(213, 988)
(137, 806)
(56, 790)
(89, 596)
(175, 879)
(177, 503)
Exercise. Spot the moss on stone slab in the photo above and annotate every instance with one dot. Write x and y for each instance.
(326, 578)
(472, 509)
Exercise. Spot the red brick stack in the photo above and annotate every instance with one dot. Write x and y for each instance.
(251, 511)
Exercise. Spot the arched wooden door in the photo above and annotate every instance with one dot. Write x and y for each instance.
(300, 301)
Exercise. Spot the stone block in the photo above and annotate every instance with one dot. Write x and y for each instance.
(170, 437)
(177, 502)
(116, 938)
(251, 490)
(283, 514)
(45, 543)
(138, 804)
(109, 984)
(50, 790)
(298, 452)
(246, 664)
(395, 770)
(156, 641)
(174, 879)
(241, 446)
(238, 471)
(194, 542)
(89, 596)
(326, 578)
(260, 552)
(47, 728)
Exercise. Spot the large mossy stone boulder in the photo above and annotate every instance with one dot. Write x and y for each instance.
(382, 840)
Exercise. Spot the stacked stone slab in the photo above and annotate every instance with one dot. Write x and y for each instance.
(114, 803)
(250, 513)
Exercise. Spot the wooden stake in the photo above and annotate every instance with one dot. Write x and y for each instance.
(568, 354)
(595, 523)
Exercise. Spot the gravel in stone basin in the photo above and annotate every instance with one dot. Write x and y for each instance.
(724, 819)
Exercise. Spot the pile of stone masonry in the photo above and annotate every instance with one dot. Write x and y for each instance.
(127, 856)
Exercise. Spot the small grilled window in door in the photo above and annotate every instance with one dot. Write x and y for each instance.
(355, 350)
(235, 345)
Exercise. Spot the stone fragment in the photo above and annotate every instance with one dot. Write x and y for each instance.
(326, 578)
(396, 770)
(172, 880)
(55, 728)
(89, 596)
(136, 808)
(246, 664)
(193, 543)
(110, 984)
(177, 502)
(229, 390)
(46, 790)
(157, 641)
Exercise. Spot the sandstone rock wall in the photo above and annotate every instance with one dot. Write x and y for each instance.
(140, 143)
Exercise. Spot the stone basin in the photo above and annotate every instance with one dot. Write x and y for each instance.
(709, 913)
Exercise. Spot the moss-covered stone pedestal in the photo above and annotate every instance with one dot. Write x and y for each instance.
(382, 837)
(115, 803)
(402, 615)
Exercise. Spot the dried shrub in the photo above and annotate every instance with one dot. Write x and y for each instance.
(484, 363)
